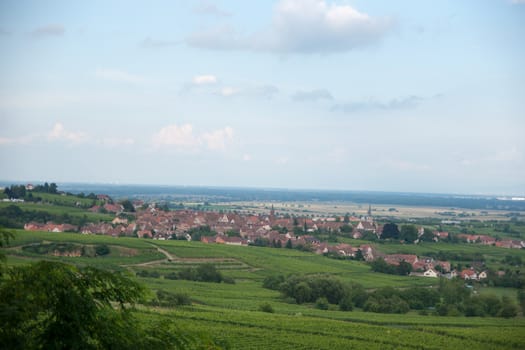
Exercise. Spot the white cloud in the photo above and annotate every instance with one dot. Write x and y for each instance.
(59, 133)
(374, 104)
(301, 26)
(204, 79)
(183, 138)
(218, 139)
(21, 140)
(48, 30)
(118, 76)
(247, 157)
(178, 136)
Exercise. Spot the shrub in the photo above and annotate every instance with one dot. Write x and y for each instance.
(266, 307)
(346, 304)
(102, 249)
(273, 282)
(228, 280)
(172, 276)
(322, 303)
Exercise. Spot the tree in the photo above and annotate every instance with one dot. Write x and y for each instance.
(408, 233)
(53, 188)
(208, 273)
(508, 309)
(521, 299)
(303, 293)
(346, 219)
(54, 305)
(51, 305)
(359, 255)
(427, 236)
(5, 237)
(404, 268)
(390, 230)
(15, 191)
(346, 228)
(128, 206)
(380, 265)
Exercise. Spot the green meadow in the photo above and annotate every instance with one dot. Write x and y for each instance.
(229, 313)
(60, 210)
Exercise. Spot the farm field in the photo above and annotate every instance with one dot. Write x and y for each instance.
(386, 210)
(229, 313)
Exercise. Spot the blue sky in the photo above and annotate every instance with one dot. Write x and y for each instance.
(416, 96)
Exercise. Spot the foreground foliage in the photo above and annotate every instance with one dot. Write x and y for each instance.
(51, 305)
(239, 316)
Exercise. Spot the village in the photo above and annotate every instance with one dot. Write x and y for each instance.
(278, 231)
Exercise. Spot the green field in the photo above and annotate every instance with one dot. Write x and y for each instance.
(60, 210)
(229, 312)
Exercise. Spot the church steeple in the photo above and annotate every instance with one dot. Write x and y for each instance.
(369, 209)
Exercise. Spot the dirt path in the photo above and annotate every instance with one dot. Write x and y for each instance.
(174, 259)
(168, 256)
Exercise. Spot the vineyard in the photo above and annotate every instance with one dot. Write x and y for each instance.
(229, 312)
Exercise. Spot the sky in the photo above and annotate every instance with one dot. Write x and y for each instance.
(410, 96)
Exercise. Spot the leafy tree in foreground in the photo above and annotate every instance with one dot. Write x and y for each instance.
(5, 236)
(51, 305)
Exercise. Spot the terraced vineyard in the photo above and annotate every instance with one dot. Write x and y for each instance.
(230, 314)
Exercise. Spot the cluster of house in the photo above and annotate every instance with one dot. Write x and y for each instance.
(488, 240)
(278, 231)
(50, 227)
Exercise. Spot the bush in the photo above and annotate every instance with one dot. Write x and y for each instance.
(208, 273)
(150, 274)
(266, 307)
(102, 249)
(389, 305)
(322, 303)
(346, 304)
(273, 282)
(172, 276)
(203, 273)
(228, 280)
(168, 299)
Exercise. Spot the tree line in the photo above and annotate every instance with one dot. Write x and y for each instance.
(449, 298)
(14, 217)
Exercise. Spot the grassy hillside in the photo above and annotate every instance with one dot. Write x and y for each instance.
(230, 312)
(60, 210)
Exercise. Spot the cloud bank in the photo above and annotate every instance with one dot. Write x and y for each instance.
(301, 26)
(183, 138)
